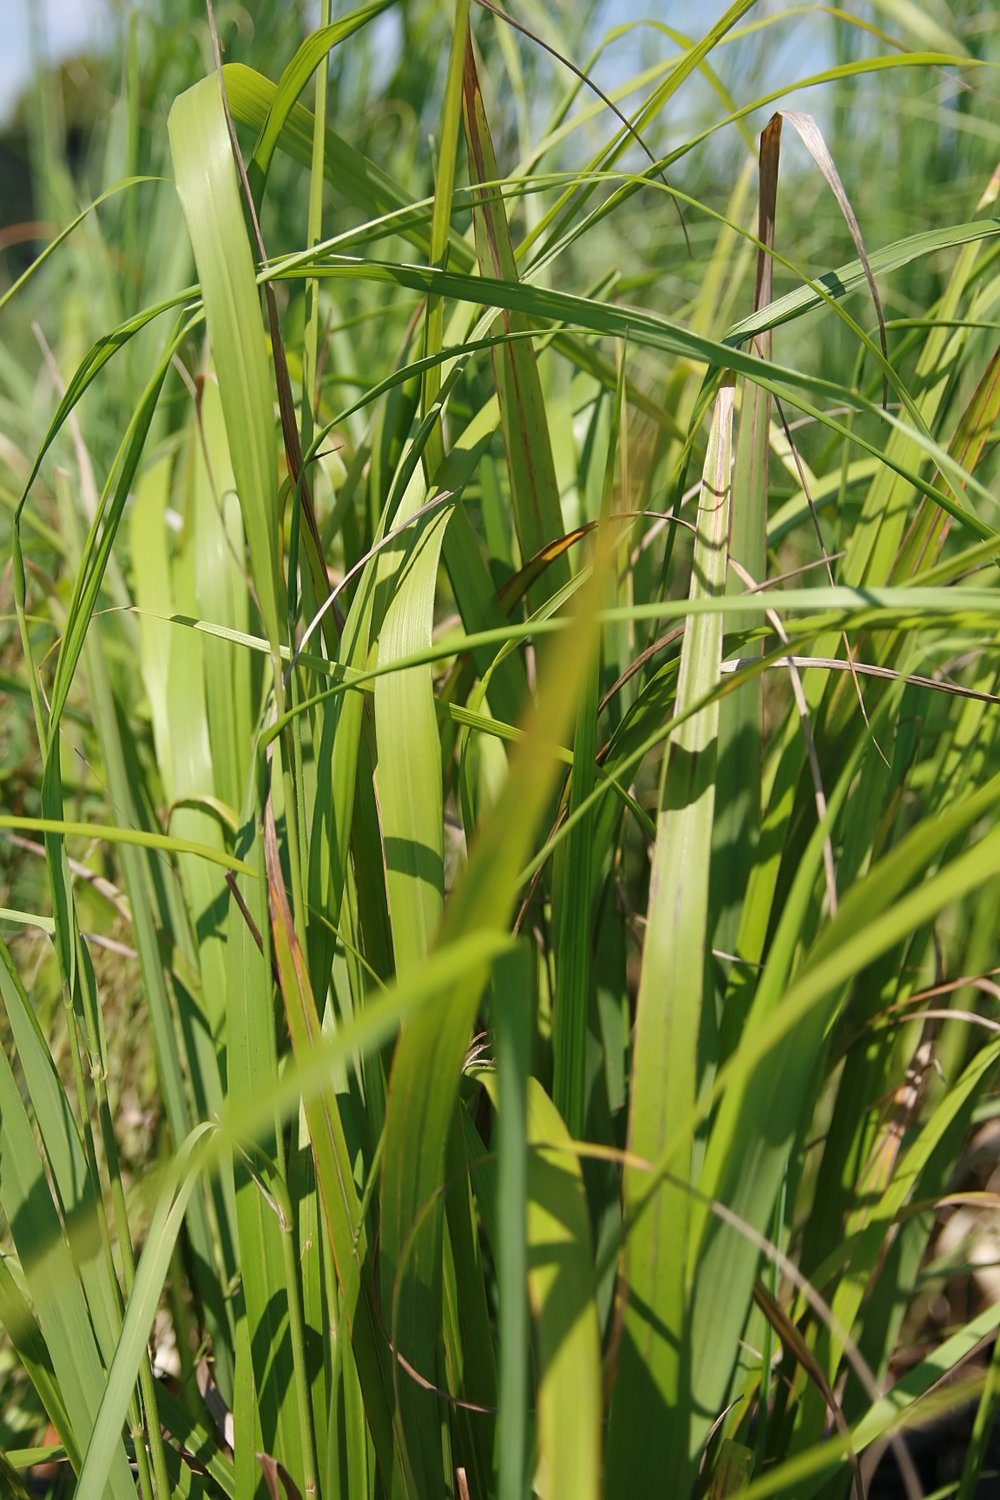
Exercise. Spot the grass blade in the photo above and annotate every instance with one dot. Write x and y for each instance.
(650, 1414)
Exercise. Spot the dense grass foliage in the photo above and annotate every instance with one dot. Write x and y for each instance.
(501, 843)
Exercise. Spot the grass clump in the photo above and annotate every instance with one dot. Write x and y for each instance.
(500, 881)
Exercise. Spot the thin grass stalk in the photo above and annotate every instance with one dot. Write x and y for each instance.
(511, 1015)
(530, 470)
(440, 234)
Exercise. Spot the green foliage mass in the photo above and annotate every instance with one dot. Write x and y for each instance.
(500, 847)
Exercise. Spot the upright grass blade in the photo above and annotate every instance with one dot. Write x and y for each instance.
(77, 1193)
(409, 772)
(428, 1060)
(929, 527)
(268, 1418)
(578, 870)
(409, 787)
(880, 1222)
(511, 1017)
(444, 186)
(876, 540)
(209, 194)
(211, 1229)
(738, 822)
(530, 470)
(745, 1161)
(675, 1027)
(207, 184)
(341, 1202)
(21, 1328)
(46, 1259)
(104, 1453)
(561, 1291)
(296, 75)
(87, 1038)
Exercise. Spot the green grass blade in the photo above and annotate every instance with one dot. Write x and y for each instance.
(761, 1107)
(51, 1277)
(577, 873)
(76, 1190)
(409, 774)
(530, 469)
(341, 1202)
(651, 1413)
(560, 1284)
(428, 1060)
(104, 1451)
(561, 1288)
(209, 194)
(511, 1018)
(21, 1328)
(444, 187)
(293, 80)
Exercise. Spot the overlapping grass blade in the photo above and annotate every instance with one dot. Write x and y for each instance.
(60, 1304)
(428, 1060)
(534, 494)
(675, 1026)
(207, 185)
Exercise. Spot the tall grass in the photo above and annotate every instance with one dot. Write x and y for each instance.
(501, 893)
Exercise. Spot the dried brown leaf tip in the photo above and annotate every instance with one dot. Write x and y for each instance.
(812, 138)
